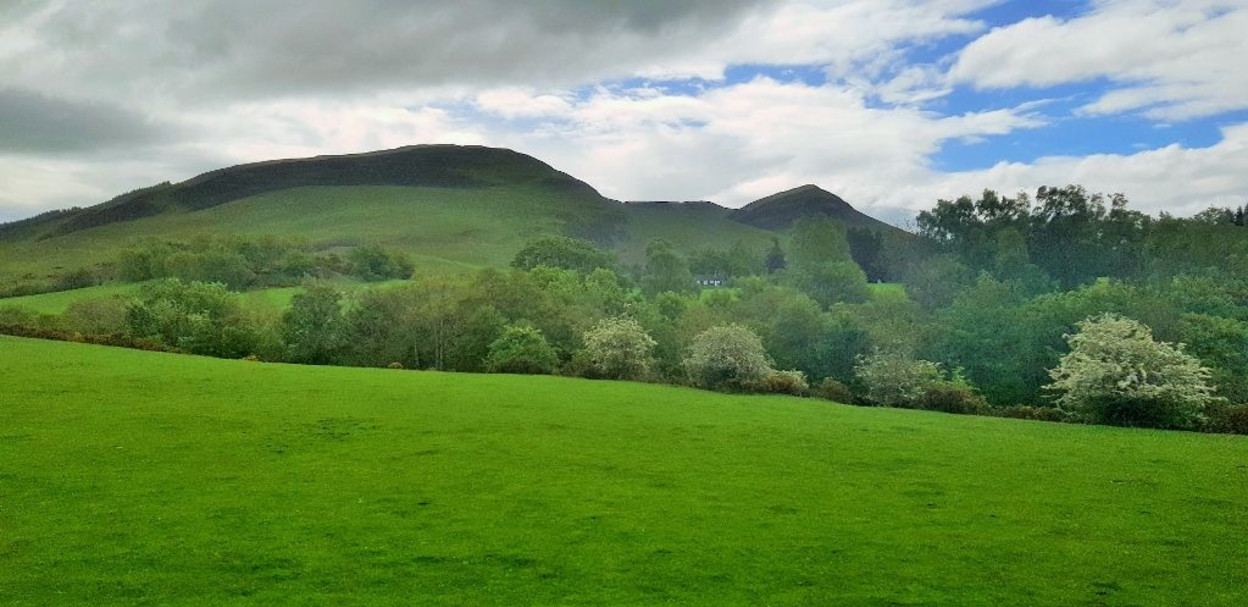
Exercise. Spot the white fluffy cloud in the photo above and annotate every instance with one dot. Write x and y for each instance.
(1172, 59)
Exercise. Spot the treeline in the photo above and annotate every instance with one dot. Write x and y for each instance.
(241, 262)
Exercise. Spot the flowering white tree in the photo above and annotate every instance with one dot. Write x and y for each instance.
(1116, 373)
(727, 356)
(619, 348)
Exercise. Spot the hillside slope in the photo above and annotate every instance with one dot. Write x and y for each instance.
(446, 205)
(191, 481)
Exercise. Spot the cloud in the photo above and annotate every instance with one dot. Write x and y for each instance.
(1173, 178)
(637, 97)
(739, 142)
(1172, 60)
(32, 122)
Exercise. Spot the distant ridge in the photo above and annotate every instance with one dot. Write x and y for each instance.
(778, 211)
(440, 166)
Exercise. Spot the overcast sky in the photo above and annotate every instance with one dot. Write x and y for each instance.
(890, 103)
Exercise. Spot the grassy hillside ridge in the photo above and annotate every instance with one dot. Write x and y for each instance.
(446, 205)
(436, 166)
(195, 481)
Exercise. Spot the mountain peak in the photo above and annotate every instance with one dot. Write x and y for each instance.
(780, 210)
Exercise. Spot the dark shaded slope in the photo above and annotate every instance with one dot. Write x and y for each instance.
(778, 211)
(442, 166)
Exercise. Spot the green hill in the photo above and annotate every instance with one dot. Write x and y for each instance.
(448, 206)
(191, 481)
(779, 211)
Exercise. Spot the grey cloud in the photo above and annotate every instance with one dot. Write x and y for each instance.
(34, 123)
(232, 49)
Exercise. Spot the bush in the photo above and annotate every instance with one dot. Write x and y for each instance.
(1117, 374)
(952, 397)
(200, 318)
(619, 348)
(792, 383)
(727, 357)
(896, 379)
(1043, 414)
(102, 316)
(77, 279)
(374, 262)
(521, 349)
(1226, 418)
(835, 391)
(120, 341)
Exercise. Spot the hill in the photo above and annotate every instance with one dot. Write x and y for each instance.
(448, 206)
(196, 481)
(778, 211)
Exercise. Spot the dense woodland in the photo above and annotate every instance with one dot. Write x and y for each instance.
(1062, 306)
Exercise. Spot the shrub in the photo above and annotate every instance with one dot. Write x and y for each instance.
(952, 397)
(77, 279)
(835, 391)
(374, 262)
(619, 348)
(727, 357)
(1226, 418)
(1043, 414)
(780, 382)
(200, 318)
(102, 316)
(896, 379)
(521, 349)
(1117, 374)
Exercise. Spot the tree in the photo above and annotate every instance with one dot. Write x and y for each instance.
(666, 270)
(1116, 373)
(775, 258)
(312, 327)
(200, 318)
(727, 356)
(867, 248)
(896, 379)
(562, 252)
(521, 349)
(619, 348)
(374, 262)
(820, 263)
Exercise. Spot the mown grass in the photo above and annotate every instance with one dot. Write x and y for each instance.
(137, 478)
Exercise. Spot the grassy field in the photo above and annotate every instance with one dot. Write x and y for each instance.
(130, 478)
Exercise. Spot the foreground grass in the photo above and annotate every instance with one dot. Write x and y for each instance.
(136, 478)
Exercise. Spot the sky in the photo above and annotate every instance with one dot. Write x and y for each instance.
(892, 104)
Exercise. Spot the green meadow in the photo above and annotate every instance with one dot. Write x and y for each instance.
(132, 478)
